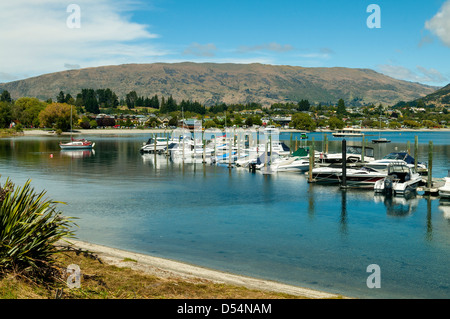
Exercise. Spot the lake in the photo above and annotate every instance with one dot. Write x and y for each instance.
(277, 227)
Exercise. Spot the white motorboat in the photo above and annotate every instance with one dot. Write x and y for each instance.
(400, 179)
(290, 164)
(158, 144)
(444, 191)
(348, 132)
(354, 154)
(355, 177)
(382, 164)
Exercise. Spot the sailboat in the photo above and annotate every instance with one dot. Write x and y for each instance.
(76, 144)
(380, 139)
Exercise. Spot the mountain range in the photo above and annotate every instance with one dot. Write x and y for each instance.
(438, 98)
(213, 83)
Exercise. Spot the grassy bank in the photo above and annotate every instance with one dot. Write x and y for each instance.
(102, 281)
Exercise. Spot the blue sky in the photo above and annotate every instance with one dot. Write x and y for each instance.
(413, 42)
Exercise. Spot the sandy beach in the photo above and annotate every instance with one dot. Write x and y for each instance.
(169, 268)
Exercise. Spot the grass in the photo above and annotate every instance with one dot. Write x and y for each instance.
(103, 281)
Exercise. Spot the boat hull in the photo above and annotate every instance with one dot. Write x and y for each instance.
(70, 146)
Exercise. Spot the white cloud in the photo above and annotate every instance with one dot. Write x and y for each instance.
(422, 74)
(36, 39)
(273, 46)
(440, 23)
(198, 49)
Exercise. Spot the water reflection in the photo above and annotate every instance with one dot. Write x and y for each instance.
(343, 219)
(398, 206)
(444, 207)
(77, 153)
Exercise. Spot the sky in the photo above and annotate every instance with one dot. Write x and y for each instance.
(407, 40)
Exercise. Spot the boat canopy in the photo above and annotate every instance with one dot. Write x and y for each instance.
(404, 156)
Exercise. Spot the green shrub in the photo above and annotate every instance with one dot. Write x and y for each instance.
(30, 226)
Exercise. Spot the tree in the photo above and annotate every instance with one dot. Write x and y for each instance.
(131, 99)
(57, 116)
(5, 114)
(302, 121)
(341, 108)
(237, 120)
(89, 98)
(304, 105)
(5, 97)
(61, 97)
(335, 123)
(209, 124)
(394, 125)
(26, 111)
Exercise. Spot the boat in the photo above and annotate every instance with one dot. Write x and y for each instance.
(444, 191)
(348, 132)
(158, 144)
(354, 154)
(381, 140)
(290, 164)
(364, 177)
(382, 164)
(400, 179)
(77, 144)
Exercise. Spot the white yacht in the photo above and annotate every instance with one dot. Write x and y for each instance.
(382, 164)
(290, 164)
(400, 180)
(348, 132)
(444, 191)
(364, 177)
(158, 144)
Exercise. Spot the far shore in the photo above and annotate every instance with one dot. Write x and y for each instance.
(40, 132)
(169, 268)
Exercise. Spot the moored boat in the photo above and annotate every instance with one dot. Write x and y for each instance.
(77, 144)
(400, 179)
(444, 191)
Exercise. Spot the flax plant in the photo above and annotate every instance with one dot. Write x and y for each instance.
(30, 226)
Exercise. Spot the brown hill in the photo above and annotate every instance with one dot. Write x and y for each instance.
(211, 83)
(439, 98)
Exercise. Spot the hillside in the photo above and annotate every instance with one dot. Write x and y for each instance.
(211, 83)
(439, 98)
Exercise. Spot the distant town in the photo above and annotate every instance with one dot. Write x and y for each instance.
(91, 109)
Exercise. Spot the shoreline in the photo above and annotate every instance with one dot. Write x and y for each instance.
(39, 132)
(170, 268)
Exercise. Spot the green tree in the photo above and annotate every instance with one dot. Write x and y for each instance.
(61, 98)
(302, 121)
(26, 111)
(237, 120)
(304, 105)
(131, 99)
(5, 97)
(5, 114)
(209, 124)
(335, 123)
(341, 110)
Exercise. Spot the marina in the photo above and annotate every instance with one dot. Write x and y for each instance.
(222, 216)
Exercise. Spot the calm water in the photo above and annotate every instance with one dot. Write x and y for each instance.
(276, 227)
